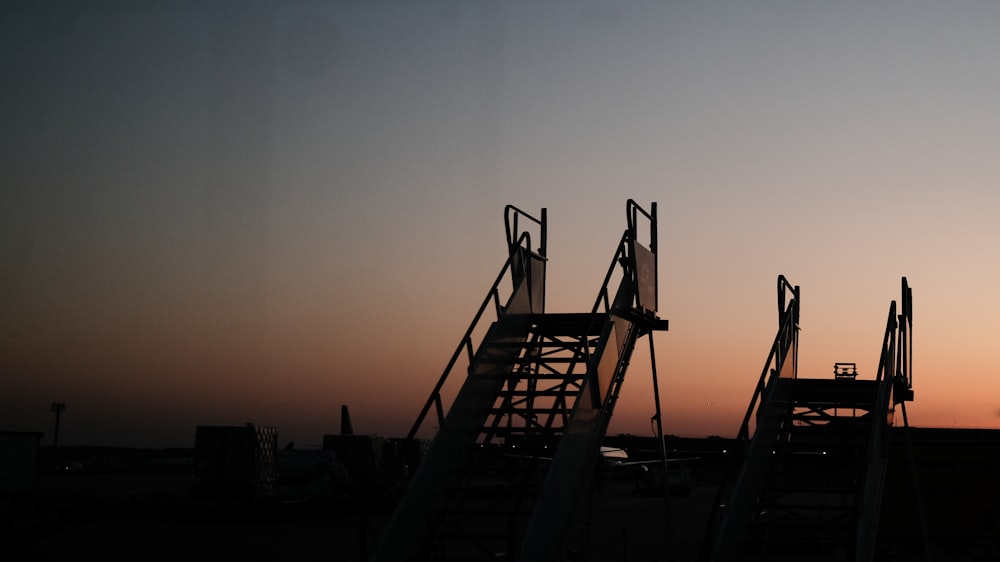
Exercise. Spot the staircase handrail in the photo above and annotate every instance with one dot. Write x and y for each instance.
(895, 385)
(904, 358)
(633, 210)
(511, 214)
(623, 257)
(867, 508)
(521, 242)
(785, 342)
(619, 259)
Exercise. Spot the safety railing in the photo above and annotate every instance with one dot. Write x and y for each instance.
(894, 385)
(626, 300)
(512, 217)
(867, 508)
(634, 212)
(782, 361)
(624, 260)
(519, 243)
(782, 355)
(903, 389)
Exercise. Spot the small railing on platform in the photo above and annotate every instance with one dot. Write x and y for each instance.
(845, 371)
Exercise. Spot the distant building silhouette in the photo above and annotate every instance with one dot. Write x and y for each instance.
(18, 459)
(234, 462)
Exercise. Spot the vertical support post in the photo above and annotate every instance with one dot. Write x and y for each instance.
(57, 408)
(921, 520)
(653, 247)
(544, 243)
(668, 512)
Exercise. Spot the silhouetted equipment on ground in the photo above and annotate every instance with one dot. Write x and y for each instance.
(346, 427)
(367, 459)
(811, 455)
(57, 408)
(18, 461)
(234, 462)
(539, 385)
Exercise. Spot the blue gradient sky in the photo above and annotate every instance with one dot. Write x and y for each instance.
(260, 211)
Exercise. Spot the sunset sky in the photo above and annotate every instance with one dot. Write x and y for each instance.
(259, 211)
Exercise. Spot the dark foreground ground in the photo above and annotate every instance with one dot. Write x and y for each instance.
(942, 494)
(151, 518)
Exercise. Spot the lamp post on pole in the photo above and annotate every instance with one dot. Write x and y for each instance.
(57, 408)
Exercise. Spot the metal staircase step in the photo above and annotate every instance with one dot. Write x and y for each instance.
(789, 529)
(794, 511)
(568, 324)
(527, 412)
(834, 393)
(791, 537)
(843, 474)
(554, 344)
(548, 393)
(551, 359)
(546, 376)
(524, 508)
(784, 489)
(504, 491)
(508, 431)
(830, 459)
(495, 535)
(829, 434)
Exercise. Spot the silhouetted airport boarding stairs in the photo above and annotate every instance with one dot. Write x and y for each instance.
(809, 486)
(506, 472)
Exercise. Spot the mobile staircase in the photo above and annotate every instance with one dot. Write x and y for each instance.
(812, 452)
(512, 459)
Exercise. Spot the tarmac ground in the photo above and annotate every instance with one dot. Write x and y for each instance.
(151, 518)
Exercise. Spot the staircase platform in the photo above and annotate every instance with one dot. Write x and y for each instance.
(835, 392)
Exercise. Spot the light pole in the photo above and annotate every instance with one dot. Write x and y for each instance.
(57, 408)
